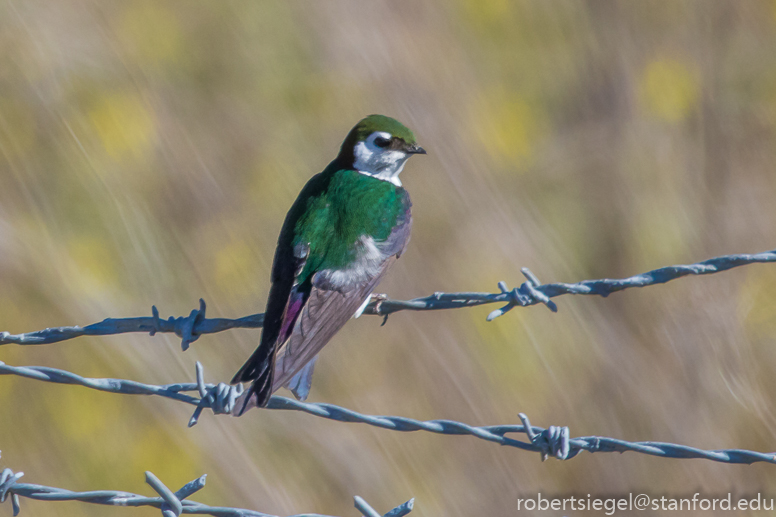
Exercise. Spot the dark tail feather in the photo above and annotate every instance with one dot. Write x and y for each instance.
(261, 388)
(253, 368)
(259, 368)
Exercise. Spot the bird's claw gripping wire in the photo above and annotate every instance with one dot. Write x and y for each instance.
(553, 441)
(375, 301)
(526, 294)
(221, 398)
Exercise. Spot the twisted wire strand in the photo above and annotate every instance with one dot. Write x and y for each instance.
(532, 292)
(553, 442)
(171, 504)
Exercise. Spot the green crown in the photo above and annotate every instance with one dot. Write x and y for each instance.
(373, 123)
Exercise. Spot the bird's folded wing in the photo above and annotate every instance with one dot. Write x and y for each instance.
(324, 314)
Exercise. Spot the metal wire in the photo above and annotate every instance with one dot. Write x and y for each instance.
(172, 504)
(190, 327)
(221, 398)
(553, 442)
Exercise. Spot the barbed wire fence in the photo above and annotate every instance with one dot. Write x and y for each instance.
(172, 504)
(190, 328)
(222, 398)
(553, 441)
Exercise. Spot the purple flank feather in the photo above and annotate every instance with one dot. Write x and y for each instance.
(294, 307)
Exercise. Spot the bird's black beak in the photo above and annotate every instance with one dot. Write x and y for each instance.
(414, 149)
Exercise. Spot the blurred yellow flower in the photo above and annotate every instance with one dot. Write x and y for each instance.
(170, 457)
(235, 264)
(93, 261)
(668, 90)
(484, 14)
(123, 125)
(80, 414)
(509, 127)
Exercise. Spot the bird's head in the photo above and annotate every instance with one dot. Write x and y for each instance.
(379, 146)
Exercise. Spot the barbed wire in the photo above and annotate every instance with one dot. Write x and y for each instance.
(222, 398)
(190, 328)
(554, 441)
(172, 504)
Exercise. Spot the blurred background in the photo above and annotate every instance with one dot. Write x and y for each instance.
(149, 151)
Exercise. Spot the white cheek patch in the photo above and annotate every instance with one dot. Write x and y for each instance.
(384, 164)
(364, 157)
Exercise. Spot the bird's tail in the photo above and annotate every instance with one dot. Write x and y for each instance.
(259, 368)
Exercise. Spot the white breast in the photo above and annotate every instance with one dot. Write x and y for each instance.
(369, 258)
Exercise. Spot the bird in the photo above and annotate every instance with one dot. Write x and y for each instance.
(347, 227)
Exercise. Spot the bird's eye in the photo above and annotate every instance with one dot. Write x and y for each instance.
(382, 142)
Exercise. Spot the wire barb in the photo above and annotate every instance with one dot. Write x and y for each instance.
(7, 481)
(363, 507)
(221, 398)
(527, 294)
(186, 327)
(553, 441)
(400, 511)
(172, 506)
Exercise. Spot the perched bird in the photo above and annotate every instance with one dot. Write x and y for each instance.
(347, 227)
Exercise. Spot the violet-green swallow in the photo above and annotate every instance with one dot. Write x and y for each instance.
(347, 227)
